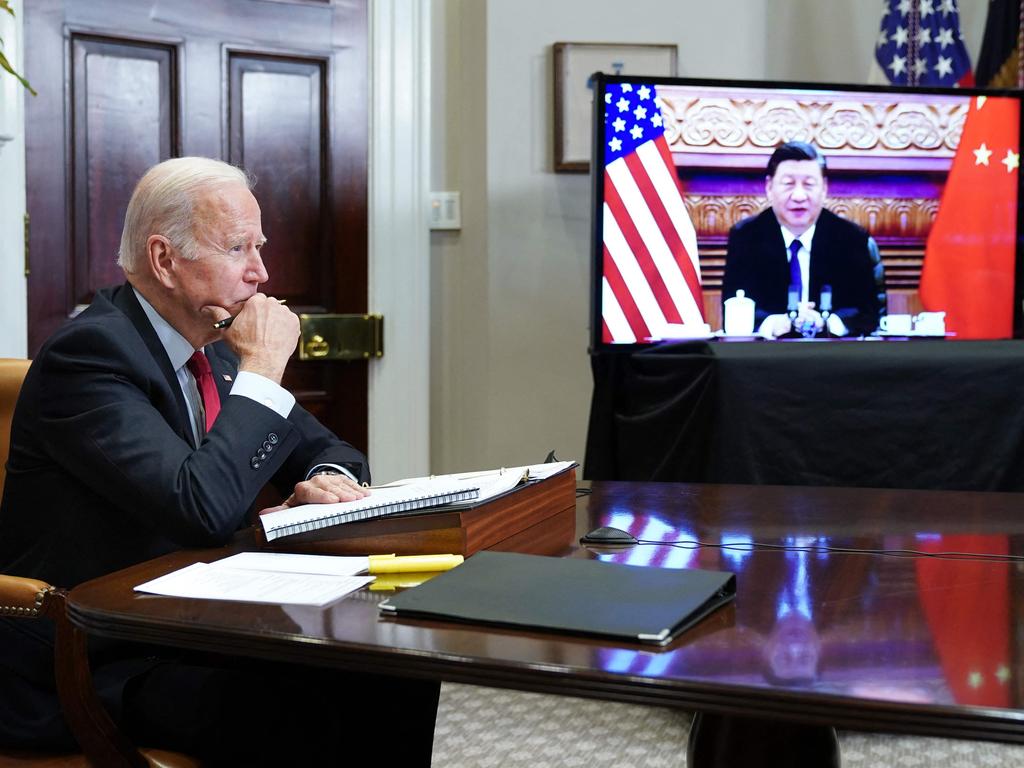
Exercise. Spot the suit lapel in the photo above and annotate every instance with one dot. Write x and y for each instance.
(224, 368)
(819, 252)
(124, 299)
(775, 252)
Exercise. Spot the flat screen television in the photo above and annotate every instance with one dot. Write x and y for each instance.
(930, 177)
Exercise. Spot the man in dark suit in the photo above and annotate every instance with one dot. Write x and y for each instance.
(797, 242)
(141, 429)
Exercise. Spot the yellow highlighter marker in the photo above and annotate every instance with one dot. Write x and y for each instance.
(412, 563)
(392, 582)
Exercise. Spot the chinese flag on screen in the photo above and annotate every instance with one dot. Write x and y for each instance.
(969, 258)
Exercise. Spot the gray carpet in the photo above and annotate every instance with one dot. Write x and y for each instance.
(485, 728)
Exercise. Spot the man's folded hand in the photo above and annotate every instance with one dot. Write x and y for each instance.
(326, 489)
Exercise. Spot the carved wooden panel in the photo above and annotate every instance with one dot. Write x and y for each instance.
(886, 218)
(277, 132)
(902, 266)
(124, 118)
(705, 123)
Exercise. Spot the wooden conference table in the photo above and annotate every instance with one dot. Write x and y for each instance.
(814, 639)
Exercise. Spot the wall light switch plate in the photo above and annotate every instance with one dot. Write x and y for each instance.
(445, 210)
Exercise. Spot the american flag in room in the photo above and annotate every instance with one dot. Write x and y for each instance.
(651, 285)
(919, 43)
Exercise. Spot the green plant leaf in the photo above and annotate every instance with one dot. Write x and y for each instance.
(4, 64)
(5, 5)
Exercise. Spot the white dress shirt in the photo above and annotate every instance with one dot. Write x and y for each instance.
(835, 323)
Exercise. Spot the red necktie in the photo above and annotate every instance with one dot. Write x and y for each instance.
(200, 368)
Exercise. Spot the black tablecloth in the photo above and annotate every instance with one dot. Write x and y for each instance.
(888, 414)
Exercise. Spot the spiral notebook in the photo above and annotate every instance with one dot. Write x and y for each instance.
(382, 502)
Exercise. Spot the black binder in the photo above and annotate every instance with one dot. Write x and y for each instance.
(627, 602)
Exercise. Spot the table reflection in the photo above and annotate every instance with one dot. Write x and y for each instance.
(909, 629)
(967, 607)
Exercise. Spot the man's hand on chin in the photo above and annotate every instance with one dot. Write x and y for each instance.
(263, 335)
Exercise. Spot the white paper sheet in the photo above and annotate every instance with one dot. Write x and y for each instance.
(492, 482)
(215, 581)
(328, 565)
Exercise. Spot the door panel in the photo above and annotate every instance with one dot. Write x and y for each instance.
(276, 132)
(124, 121)
(278, 87)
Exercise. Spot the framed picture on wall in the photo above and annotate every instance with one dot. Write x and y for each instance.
(574, 67)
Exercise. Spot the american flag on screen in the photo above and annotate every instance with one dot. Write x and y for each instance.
(651, 279)
(919, 43)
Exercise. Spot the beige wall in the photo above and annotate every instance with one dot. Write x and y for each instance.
(510, 292)
(511, 376)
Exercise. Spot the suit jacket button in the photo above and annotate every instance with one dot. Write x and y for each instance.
(272, 438)
(261, 454)
(255, 463)
(268, 446)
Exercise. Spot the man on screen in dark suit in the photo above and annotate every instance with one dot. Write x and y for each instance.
(797, 242)
(142, 429)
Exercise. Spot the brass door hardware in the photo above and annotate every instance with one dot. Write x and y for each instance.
(341, 337)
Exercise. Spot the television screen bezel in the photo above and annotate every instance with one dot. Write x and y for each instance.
(601, 80)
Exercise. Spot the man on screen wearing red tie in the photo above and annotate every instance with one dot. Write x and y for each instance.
(797, 246)
(142, 428)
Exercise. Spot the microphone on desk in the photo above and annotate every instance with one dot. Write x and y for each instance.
(826, 308)
(792, 310)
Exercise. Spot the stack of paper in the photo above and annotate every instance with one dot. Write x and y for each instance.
(266, 577)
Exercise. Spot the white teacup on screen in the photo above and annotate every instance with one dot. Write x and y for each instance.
(897, 324)
(930, 323)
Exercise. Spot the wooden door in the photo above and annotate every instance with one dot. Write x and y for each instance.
(276, 86)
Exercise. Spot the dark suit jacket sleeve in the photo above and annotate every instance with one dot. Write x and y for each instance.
(841, 249)
(104, 416)
(732, 277)
(748, 266)
(317, 444)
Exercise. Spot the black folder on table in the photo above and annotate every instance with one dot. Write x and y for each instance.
(628, 602)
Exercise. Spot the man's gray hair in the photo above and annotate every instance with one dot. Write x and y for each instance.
(162, 204)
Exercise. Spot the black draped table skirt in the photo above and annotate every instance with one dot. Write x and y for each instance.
(885, 414)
